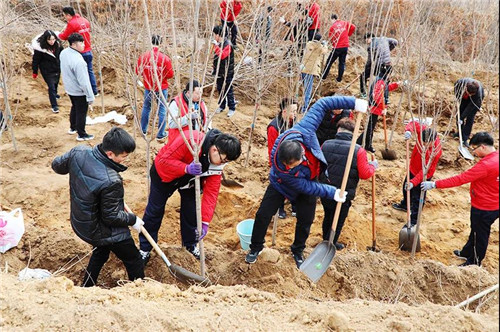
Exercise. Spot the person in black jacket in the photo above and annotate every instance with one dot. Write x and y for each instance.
(328, 127)
(470, 94)
(46, 58)
(97, 208)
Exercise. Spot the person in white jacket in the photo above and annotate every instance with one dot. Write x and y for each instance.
(77, 85)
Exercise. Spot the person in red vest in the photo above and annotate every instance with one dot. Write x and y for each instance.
(314, 20)
(283, 121)
(151, 88)
(78, 24)
(339, 34)
(428, 142)
(484, 188)
(229, 10)
(179, 110)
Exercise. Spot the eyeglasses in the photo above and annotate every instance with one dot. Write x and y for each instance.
(220, 157)
(474, 148)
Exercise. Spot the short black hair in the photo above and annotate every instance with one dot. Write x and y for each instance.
(74, 38)
(285, 102)
(217, 30)
(68, 10)
(156, 40)
(194, 84)
(289, 152)
(334, 16)
(317, 36)
(369, 35)
(269, 9)
(429, 135)
(118, 141)
(346, 124)
(482, 138)
(472, 87)
(228, 145)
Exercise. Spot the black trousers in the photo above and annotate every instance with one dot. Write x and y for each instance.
(78, 114)
(341, 54)
(225, 89)
(414, 199)
(52, 81)
(480, 227)
(125, 250)
(159, 193)
(272, 200)
(467, 119)
(231, 31)
(329, 206)
(372, 123)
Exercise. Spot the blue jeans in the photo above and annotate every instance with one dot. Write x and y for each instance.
(87, 56)
(146, 109)
(307, 80)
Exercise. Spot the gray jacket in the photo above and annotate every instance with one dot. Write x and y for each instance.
(75, 74)
(380, 50)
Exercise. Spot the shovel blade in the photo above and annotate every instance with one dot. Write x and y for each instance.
(318, 261)
(188, 277)
(406, 237)
(231, 184)
(389, 154)
(465, 152)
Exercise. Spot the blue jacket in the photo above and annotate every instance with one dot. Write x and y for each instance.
(297, 180)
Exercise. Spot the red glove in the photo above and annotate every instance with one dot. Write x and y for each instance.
(35, 75)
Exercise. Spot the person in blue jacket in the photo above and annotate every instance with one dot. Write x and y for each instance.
(295, 165)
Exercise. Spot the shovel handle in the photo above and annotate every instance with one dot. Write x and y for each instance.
(385, 130)
(408, 216)
(374, 236)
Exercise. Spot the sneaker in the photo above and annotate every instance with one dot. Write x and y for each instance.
(466, 143)
(370, 149)
(236, 48)
(299, 259)
(466, 264)
(251, 257)
(456, 135)
(145, 256)
(161, 139)
(362, 95)
(193, 250)
(338, 79)
(57, 96)
(230, 113)
(55, 110)
(294, 211)
(281, 213)
(399, 207)
(97, 94)
(71, 131)
(219, 110)
(86, 137)
(339, 246)
(457, 253)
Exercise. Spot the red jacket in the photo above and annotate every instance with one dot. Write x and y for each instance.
(233, 10)
(416, 155)
(377, 101)
(365, 169)
(483, 178)
(163, 65)
(339, 34)
(314, 13)
(171, 162)
(79, 25)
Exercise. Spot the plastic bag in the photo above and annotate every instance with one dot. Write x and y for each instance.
(11, 229)
(28, 274)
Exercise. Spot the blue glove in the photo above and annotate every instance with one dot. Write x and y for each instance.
(407, 134)
(428, 185)
(194, 168)
(408, 186)
(204, 230)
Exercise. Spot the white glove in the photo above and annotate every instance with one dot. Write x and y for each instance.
(139, 84)
(309, 20)
(138, 224)
(194, 115)
(428, 185)
(405, 83)
(408, 186)
(282, 19)
(337, 197)
(384, 112)
(374, 163)
(407, 135)
(323, 42)
(361, 105)
(215, 42)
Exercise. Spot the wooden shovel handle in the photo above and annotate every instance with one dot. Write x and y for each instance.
(374, 236)
(385, 130)
(408, 207)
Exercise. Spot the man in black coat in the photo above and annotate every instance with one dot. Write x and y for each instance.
(470, 94)
(97, 208)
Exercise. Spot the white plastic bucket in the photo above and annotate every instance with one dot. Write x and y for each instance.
(244, 230)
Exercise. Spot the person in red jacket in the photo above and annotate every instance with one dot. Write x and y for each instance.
(428, 142)
(229, 10)
(78, 24)
(314, 20)
(283, 121)
(484, 188)
(376, 100)
(174, 169)
(339, 34)
(152, 90)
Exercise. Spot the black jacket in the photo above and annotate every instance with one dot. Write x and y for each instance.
(472, 103)
(336, 152)
(96, 191)
(226, 69)
(47, 63)
(328, 127)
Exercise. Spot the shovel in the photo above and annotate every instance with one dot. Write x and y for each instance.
(374, 234)
(407, 233)
(461, 148)
(230, 183)
(275, 229)
(388, 154)
(320, 259)
(176, 271)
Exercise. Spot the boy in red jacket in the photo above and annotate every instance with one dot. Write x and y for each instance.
(229, 10)
(428, 142)
(174, 169)
(483, 178)
(339, 34)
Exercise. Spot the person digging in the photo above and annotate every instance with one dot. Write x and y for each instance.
(484, 188)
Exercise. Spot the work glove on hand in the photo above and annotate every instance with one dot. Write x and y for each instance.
(138, 224)
(35, 75)
(194, 115)
(337, 197)
(282, 19)
(407, 135)
(384, 112)
(194, 168)
(204, 230)
(374, 163)
(215, 42)
(428, 185)
(408, 186)
(360, 105)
